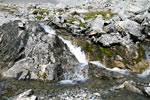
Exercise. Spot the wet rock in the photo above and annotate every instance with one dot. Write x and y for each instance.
(139, 87)
(102, 73)
(130, 86)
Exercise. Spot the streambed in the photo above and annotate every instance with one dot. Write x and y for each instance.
(14, 87)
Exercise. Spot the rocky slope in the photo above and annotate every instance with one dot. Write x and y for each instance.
(34, 45)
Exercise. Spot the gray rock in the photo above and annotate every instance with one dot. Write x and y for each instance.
(130, 27)
(36, 53)
(109, 39)
(146, 24)
(27, 95)
(97, 24)
(102, 73)
(147, 90)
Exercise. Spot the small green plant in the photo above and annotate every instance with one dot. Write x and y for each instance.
(43, 76)
(88, 47)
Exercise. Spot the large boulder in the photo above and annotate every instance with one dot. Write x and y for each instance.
(130, 27)
(35, 52)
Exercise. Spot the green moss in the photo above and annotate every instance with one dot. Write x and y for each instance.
(49, 18)
(44, 75)
(6, 8)
(88, 47)
(101, 52)
(74, 13)
(39, 17)
(141, 54)
(71, 20)
(93, 14)
(109, 53)
(41, 12)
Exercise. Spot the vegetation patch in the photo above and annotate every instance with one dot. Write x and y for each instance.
(73, 19)
(141, 54)
(93, 14)
(43, 76)
(39, 17)
(41, 12)
(7, 8)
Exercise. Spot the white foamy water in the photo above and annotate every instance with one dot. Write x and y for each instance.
(121, 71)
(81, 57)
(147, 71)
(48, 29)
(76, 51)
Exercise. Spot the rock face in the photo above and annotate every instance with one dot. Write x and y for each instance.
(102, 73)
(33, 53)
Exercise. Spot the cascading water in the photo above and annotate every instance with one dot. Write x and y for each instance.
(81, 57)
(146, 72)
(77, 52)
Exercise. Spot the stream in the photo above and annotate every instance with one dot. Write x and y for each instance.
(75, 80)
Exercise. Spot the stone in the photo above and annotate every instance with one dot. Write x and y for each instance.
(119, 64)
(130, 86)
(102, 73)
(147, 90)
(130, 27)
(27, 95)
(98, 24)
(109, 39)
(35, 53)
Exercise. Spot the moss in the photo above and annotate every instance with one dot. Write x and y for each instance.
(41, 12)
(39, 17)
(74, 13)
(71, 20)
(49, 18)
(7, 8)
(43, 76)
(8, 94)
(88, 47)
(93, 14)
(109, 53)
(141, 54)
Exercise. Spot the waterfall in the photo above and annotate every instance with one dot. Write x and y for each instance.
(73, 78)
(77, 52)
(147, 71)
(81, 57)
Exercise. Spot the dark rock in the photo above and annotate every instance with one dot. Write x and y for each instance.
(102, 73)
(35, 52)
